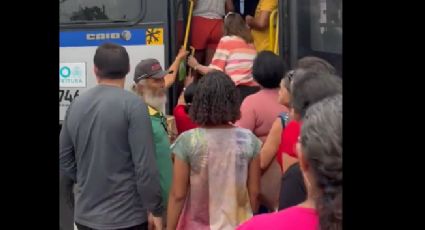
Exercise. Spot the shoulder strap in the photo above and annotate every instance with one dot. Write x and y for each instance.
(284, 118)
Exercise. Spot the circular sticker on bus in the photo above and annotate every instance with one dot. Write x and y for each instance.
(65, 72)
(126, 35)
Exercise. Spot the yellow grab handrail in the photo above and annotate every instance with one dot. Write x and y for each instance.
(182, 67)
(189, 20)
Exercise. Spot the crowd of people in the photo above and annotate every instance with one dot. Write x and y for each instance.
(259, 145)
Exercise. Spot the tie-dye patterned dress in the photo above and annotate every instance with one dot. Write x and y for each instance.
(218, 195)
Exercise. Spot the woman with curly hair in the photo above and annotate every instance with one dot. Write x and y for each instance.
(216, 169)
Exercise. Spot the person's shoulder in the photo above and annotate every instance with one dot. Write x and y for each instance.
(178, 110)
(132, 102)
(263, 221)
(296, 216)
(245, 132)
(290, 218)
(226, 38)
(185, 137)
(251, 99)
(226, 42)
(293, 124)
(190, 132)
(129, 95)
(232, 42)
(131, 98)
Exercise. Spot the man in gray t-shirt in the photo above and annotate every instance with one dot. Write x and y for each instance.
(106, 147)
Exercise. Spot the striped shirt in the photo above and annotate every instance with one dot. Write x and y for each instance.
(235, 57)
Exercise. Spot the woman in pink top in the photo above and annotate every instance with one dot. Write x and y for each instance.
(320, 156)
(260, 110)
(234, 55)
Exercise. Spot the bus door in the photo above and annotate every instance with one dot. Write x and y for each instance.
(179, 17)
(141, 26)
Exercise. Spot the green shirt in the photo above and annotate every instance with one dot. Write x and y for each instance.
(162, 151)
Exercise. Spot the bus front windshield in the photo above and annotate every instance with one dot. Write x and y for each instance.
(72, 11)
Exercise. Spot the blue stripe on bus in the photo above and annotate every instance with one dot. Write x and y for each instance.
(97, 37)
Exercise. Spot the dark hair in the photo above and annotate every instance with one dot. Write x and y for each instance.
(235, 25)
(216, 100)
(112, 61)
(315, 64)
(268, 69)
(321, 140)
(188, 95)
(311, 87)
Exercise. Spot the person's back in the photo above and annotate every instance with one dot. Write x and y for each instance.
(260, 110)
(183, 121)
(292, 188)
(289, 138)
(258, 114)
(218, 159)
(216, 171)
(106, 147)
(98, 124)
(239, 61)
(263, 109)
(234, 55)
(294, 218)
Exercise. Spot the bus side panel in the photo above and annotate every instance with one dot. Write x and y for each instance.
(80, 52)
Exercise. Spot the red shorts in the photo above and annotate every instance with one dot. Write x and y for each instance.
(205, 33)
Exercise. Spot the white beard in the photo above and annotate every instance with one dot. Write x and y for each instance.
(155, 101)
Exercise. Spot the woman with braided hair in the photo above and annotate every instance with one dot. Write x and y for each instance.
(216, 169)
(320, 154)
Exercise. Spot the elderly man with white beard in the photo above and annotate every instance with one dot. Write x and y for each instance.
(151, 84)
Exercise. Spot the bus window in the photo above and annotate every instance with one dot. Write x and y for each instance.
(72, 11)
(318, 31)
(326, 26)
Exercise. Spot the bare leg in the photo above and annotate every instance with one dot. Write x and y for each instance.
(209, 56)
(200, 57)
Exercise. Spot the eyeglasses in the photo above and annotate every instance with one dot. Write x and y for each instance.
(291, 75)
(288, 79)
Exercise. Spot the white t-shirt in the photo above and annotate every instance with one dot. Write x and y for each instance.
(213, 9)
